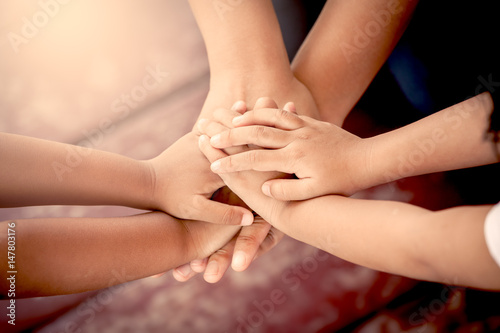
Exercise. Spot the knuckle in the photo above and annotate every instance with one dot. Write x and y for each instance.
(295, 154)
(248, 240)
(230, 216)
(280, 115)
(272, 238)
(228, 163)
(304, 135)
(258, 133)
(221, 254)
(252, 156)
(228, 137)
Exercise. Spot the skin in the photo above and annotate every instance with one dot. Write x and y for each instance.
(247, 59)
(252, 241)
(329, 160)
(394, 237)
(81, 254)
(40, 172)
(347, 46)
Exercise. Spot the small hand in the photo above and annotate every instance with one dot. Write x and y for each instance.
(184, 186)
(253, 240)
(240, 252)
(325, 158)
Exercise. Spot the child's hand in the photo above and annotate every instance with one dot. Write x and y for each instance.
(325, 158)
(249, 244)
(184, 185)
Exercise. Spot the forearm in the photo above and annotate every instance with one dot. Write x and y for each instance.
(61, 256)
(39, 172)
(345, 49)
(446, 246)
(246, 54)
(241, 39)
(451, 139)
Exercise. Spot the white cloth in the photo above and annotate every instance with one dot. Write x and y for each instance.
(492, 232)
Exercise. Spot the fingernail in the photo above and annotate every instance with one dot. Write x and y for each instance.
(215, 139)
(197, 262)
(215, 166)
(203, 138)
(290, 107)
(184, 270)
(212, 268)
(237, 120)
(247, 219)
(238, 105)
(266, 189)
(201, 122)
(239, 259)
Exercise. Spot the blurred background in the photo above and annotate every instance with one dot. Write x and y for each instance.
(130, 77)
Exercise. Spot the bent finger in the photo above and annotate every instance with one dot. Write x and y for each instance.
(247, 244)
(219, 262)
(265, 102)
(273, 237)
(183, 273)
(225, 116)
(199, 265)
(221, 213)
(211, 153)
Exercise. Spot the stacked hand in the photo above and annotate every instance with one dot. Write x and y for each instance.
(252, 240)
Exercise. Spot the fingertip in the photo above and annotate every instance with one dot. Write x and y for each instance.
(239, 262)
(215, 139)
(290, 107)
(198, 265)
(239, 106)
(247, 219)
(183, 273)
(212, 272)
(238, 120)
(201, 124)
(215, 167)
(202, 140)
(266, 189)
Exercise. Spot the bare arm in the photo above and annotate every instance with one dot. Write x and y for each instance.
(69, 255)
(247, 56)
(40, 172)
(345, 49)
(329, 160)
(447, 246)
(454, 138)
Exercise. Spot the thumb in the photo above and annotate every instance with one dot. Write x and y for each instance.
(290, 189)
(221, 213)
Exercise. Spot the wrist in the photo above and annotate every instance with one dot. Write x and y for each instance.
(363, 164)
(228, 87)
(149, 198)
(381, 161)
